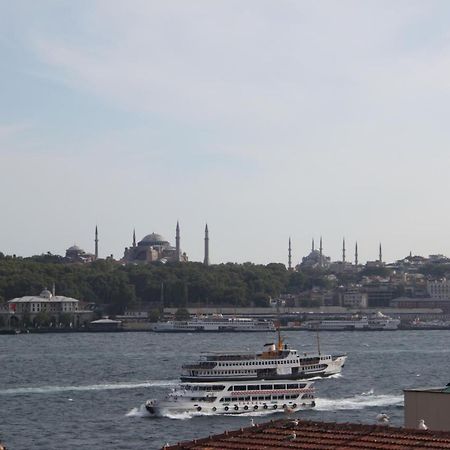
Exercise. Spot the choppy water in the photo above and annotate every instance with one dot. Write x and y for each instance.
(86, 391)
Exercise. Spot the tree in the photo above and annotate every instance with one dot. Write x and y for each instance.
(182, 314)
(154, 315)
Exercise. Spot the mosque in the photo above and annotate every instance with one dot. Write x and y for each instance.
(154, 248)
(316, 258)
(151, 248)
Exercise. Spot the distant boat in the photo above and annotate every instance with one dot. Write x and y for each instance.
(214, 323)
(374, 322)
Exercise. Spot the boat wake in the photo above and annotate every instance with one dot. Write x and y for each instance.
(92, 387)
(140, 411)
(329, 377)
(360, 401)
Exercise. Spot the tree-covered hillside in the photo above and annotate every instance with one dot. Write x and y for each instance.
(121, 287)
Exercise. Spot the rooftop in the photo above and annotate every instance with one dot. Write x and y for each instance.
(285, 434)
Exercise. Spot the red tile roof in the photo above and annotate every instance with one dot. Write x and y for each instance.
(285, 434)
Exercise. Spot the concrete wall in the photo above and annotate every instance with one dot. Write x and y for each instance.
(432, 405)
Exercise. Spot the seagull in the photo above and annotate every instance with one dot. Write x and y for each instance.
(422, 425)
(295, 422)
(292, 436)
(383, 419)
(252, 422)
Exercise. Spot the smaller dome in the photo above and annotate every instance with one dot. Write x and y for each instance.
(74, 248)
(45, 294)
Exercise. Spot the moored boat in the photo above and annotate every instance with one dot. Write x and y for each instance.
(214, 323)
(374, 322)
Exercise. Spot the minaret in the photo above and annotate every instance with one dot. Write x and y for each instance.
(356, 253)
(134, 237)
(343, 250)
(96, 242)
(206, 259)
(321, 254)
(289, 255)
(312, 247)
(380, 258)
(177, 242)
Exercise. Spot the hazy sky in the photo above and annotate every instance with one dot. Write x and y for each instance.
(267, 119)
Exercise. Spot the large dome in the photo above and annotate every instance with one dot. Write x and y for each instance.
(154, 239)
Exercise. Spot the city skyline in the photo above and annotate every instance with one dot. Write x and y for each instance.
(267, 120)
(290, 263)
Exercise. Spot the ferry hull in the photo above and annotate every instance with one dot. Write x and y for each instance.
(165, 408)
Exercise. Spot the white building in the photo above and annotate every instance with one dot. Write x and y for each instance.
(439, 289)
(354, 297)
(54, 305)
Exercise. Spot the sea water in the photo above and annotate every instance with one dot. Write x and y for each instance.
(87, 390)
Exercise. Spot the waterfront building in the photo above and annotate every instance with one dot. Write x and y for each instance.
(154, 248)
(421, 303)
(55, 307)
(105, 324)
(355, 297)
(439, 289)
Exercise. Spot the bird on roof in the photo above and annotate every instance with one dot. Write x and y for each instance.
(422, 425)
(252, 422)
(292, 436)
(295, 422)
(383, 418)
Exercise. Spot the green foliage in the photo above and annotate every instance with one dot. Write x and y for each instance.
(375, 271)
(182, 314)
(154, 315)
(115, 288)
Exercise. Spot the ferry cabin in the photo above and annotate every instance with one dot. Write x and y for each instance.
(286, 364)
(244, 397)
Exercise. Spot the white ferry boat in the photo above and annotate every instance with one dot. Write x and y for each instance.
(376, 322)
(234, 398)
(273, 363)
(214, 323)
(235, 383)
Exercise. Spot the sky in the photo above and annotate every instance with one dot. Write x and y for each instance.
(265, 119)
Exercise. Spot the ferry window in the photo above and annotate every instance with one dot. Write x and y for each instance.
(302, 385)
(279, 386)
(267, 397)
(230, 388)
(266, 387)
(292, 386)
(247, 399)
(240, 388)
(253, 388)
(234, 399)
